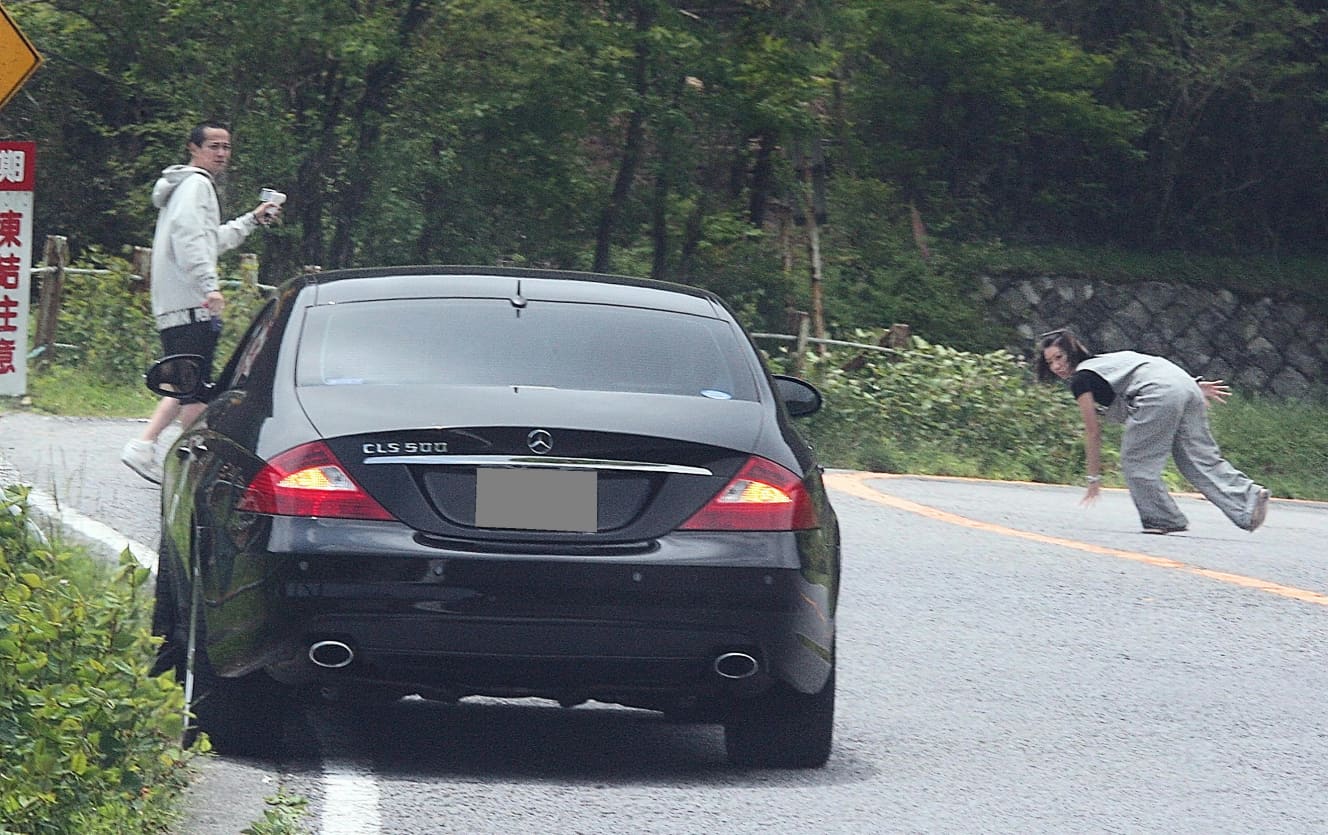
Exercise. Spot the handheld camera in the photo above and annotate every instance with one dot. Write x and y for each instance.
(271, 195)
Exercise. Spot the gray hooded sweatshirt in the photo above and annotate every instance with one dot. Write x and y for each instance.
(189, 238)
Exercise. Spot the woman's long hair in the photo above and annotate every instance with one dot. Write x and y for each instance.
(1075, 352)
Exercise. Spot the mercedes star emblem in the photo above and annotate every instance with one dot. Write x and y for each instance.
(539, 441)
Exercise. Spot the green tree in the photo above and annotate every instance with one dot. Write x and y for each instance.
(679, 139)
(1228, 86)
(1232, 94)
(982, 117)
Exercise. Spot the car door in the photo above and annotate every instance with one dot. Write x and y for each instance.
(220, 451)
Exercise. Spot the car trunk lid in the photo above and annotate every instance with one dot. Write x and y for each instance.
(634, 467)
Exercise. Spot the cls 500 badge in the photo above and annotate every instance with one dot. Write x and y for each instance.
(403, 447)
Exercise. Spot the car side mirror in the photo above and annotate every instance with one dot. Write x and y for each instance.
(800, 397)
(179, 375)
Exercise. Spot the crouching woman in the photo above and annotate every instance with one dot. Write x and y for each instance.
(1165, 412)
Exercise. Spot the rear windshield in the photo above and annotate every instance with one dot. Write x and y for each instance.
(488, 342)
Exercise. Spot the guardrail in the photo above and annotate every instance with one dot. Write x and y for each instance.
(898, 337)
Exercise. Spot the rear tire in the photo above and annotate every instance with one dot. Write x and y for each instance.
(795, 730)
(242, 716)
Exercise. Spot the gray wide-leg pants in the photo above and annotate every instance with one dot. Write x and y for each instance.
(1169, 417)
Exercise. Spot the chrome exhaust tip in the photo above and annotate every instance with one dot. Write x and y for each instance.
(331, 655)
(736, 665)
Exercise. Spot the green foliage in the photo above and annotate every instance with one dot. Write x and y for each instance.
(1191, 67)
(488, 130)
(284, 816)
(984, 115)
(1282, 444)
(91, 741)
(107, 319)
(485, 163)
(739, 264)
(107, 338)
(936, 410)
(876, 275)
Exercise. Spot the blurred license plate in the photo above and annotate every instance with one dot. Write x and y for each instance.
(536, 500)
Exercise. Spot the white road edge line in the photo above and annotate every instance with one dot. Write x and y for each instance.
(350, 800)
(104, 541)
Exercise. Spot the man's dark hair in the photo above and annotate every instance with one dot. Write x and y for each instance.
(1075, 352)
(199, 133)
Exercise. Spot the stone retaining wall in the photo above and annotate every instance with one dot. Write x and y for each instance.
(1266, 346)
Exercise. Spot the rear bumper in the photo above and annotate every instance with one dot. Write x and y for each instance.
(645, 635)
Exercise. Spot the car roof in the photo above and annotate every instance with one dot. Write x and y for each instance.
(459, 281)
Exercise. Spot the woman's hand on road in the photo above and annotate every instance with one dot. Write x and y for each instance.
(1090, 496)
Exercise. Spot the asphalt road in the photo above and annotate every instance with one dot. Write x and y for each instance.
(1009, 662)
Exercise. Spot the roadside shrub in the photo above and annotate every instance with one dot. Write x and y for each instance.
(106, 318)
(284, 815)
(935, 410)
(90, 740)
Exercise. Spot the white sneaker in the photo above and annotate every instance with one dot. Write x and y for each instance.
(1260, 512)
(141, 457)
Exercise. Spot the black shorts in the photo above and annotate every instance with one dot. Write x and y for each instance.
(194, 338)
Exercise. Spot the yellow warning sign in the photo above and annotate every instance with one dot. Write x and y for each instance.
(18, 60)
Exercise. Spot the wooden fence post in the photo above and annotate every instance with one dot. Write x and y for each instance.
(249, 269)
(901, 336)
(142, 267)
(52, 289)
(804, 333)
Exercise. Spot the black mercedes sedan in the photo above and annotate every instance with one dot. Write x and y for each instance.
(447, 482)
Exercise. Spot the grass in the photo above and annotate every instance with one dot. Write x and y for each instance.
(66, 391)
(1281, 444)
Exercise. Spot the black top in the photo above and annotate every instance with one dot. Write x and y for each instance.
(1085, 380)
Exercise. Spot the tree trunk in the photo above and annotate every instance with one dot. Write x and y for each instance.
(814, 255)
(763, 180)
(633, 146)
(373, 107)
(659, 226)
(805, 199)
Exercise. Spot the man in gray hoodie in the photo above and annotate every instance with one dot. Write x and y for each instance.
(186, 292)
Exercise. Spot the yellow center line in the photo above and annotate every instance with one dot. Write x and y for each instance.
(855, 484)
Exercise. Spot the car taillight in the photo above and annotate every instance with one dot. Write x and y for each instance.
(763, 496)
(309, 481)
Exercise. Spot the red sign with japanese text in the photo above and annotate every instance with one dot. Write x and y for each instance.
(18, 165)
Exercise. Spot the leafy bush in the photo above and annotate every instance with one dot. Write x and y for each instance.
(107, 319)
(936, 410)
(875, 273)
(90, 740)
